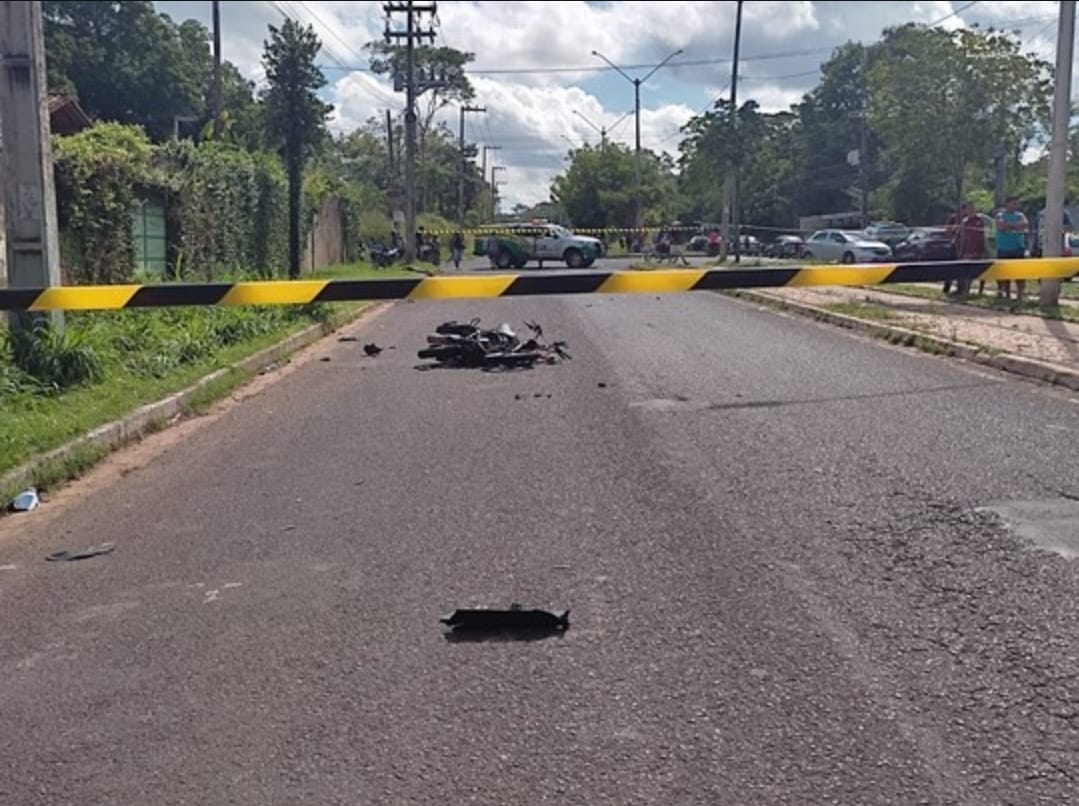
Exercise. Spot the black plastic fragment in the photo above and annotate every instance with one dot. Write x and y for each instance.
(514, 619)
(81, 554)
(372, 349)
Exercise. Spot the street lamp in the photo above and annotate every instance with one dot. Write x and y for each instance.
(636, 82)
(603, 131)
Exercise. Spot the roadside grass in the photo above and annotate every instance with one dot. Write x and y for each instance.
(108, 364)
(989, 301)
(864, 310)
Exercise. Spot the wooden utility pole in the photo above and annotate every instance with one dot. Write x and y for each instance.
(31, 241)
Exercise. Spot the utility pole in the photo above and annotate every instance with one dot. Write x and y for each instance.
(734, 111)
(464, 165)
(411, 34)
(1049, 295)
(999, 153)
(494, 188)
(603, 130)
(483, 170)
(218, 101)
(636, 82)
(31, 241)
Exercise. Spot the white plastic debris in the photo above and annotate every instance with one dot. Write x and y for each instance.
(26, 501)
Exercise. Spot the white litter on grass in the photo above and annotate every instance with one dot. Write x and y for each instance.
(26, 501)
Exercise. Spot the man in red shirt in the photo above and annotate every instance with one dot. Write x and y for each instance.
(969, 240)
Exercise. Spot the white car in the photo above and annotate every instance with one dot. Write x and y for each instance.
(556, 243)
(846, 247)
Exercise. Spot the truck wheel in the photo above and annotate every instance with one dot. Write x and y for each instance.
(504, 260)
(574, 258)
(520, 264)
(588, 263)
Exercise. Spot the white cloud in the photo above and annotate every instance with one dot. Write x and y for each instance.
(530, 112)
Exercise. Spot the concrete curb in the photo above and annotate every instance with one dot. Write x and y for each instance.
(1007, 362)
(152, 416)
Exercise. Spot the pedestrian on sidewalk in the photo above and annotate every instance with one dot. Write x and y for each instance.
(457, 248)
(1012, 228)
(970, 241)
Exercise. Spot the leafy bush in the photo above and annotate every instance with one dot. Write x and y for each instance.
(57, 359)
(97, 174)
(230, 209)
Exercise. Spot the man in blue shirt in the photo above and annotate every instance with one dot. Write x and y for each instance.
(1012, 230)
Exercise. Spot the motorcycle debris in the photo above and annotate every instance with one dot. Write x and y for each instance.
(325, 358)
(372, 349)
(601, 385)
(514, 618)
(81, 554)
(347, 338)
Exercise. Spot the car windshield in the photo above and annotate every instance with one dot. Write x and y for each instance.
(559, 231)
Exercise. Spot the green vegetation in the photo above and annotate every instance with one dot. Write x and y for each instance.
(1029, 306)
(107, 364)
(864, 310)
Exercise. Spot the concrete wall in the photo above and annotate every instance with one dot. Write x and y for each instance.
(325, 243)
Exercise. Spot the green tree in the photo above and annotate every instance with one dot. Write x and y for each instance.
(294, 112)
(760, 145)
(941, 102)
(598, 188)
(126, 63)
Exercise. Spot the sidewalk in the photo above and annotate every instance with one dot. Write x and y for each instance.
(1027, 336)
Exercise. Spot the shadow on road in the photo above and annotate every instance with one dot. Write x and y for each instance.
(501, 636)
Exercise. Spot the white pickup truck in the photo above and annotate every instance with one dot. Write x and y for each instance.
(517, 244)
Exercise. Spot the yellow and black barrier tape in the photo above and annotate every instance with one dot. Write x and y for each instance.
(481, 286)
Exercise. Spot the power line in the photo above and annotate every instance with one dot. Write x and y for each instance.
(955, 13)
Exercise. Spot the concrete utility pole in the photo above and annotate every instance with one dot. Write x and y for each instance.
(31, 241)
(636, 82)
(411, 34)
(218, 99)
(494, 188)
(999, 155)
(1049, 296)
(734, 111)
(464, 164)
(483, 170)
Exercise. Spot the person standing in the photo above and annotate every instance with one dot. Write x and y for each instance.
(457, 248)
(1012, 228)
(970, 240)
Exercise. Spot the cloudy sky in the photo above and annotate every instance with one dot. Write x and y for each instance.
(534, 67)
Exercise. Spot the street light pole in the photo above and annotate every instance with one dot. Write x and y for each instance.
(637, 82)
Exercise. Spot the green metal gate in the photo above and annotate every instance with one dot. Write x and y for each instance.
(150, 242)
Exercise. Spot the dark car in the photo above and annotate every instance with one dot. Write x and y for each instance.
(786, 246)
(925, 244)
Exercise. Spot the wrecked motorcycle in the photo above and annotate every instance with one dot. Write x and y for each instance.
(466, 344)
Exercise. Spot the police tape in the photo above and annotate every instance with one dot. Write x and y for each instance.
(480, 286)
(540, 230)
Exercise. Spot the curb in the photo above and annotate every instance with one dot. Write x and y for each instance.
(152, 416)
(1007, 362)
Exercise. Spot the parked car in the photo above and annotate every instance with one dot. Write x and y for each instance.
(517, 244)
(785, 246)
(926, 244)
(845, 247)
(889, 232)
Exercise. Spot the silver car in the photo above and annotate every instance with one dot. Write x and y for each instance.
(846, 247)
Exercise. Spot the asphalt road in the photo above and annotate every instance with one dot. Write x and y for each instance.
(785, 586)
(620, 263)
